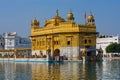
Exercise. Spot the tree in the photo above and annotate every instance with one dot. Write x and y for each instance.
(113, 48)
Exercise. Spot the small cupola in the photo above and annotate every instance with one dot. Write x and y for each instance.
(91, 18)
(35, 22)
(70, 16)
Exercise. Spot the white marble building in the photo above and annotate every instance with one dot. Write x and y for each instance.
(13, 41)
(104, 41)
(1, 42)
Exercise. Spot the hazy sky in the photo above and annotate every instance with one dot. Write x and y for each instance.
(16, 15)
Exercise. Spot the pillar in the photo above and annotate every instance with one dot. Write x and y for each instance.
(52, 49)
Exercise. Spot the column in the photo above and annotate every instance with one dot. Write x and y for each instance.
(52, 49)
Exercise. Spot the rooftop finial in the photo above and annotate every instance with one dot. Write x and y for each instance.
(90, 12)
(70, 11)
(57, 12)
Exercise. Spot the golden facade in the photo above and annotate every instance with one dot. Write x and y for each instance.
(60, 37)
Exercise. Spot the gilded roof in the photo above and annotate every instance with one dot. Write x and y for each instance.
(55, 20)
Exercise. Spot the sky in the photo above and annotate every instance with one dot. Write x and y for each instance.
(16, 15)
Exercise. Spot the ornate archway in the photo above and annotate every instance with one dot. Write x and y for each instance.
(56, 53)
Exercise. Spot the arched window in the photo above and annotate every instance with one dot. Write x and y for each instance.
(68, 42)
(85, 41)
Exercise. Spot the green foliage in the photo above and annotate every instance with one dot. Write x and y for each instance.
(113, 48)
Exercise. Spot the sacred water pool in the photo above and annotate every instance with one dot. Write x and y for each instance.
(106, 70)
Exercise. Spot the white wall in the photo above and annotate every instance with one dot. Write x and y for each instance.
(104, 42)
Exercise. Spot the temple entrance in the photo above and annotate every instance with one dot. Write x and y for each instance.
(89, 53)
(56, 54)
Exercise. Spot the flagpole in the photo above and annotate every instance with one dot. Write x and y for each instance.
(85, 17)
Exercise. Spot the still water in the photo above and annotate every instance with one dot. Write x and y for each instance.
(106, 70)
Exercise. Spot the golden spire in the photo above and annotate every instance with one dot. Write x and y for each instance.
(35, 18)
(70, 11)
(57, 12)
(90, 12)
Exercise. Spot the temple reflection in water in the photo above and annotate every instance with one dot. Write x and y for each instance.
(43, 71)
(109, 69)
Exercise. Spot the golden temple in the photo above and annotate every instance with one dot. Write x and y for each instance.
(59, 37)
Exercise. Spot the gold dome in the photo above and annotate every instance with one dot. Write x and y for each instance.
(91, 18)
(70, 16)
(55, 20)
(35, 22)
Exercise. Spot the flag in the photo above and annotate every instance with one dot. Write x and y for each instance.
(85, 15)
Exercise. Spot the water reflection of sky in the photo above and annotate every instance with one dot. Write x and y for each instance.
(108, 69)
